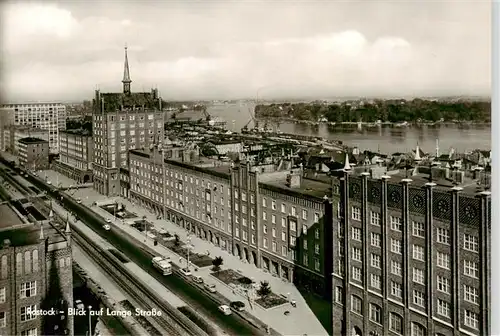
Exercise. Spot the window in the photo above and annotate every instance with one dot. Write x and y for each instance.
(396, 323)
(471, 319)
(28, 289)
(443, 308)
(471, 243)
(396, 246)
(27, 313)
(443, 260)
(283, 208)
(417, 329)
(471, 269)
(418, 298)
(273, 205)
(30, 332)
(264, 202)
(273, 219)
(264, 229)
(305, 260)
(418, 276)
(265, 242)
(317, 265)
(356, 213)
(375, 313)
(443, 236)
(375, 239)
(316, 217)
(356, 254)
(316, 233)
(294, 211)
(264, 215)
(283, 236)
(396, 289)
(396, 224)
(3, 322)
(356, 273)
(339, 295)
(283, 222)
(375, 260)
(471, 294)
(375, 218)
(304, 229)
(284, 251)
(443, 284)
(356, 234)
(396, 267)
(418, 229)
(316, 248)
(356, 304)
(304, 214)
(418, 252)
(2, 295)
(375, 281)
(275, 247)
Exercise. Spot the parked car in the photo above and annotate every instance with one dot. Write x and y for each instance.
(106, 227)
(79, 201)
(238, 305)
(225, 309)
(211, 288)
(109, 220)
(185, 271)
(198, 279)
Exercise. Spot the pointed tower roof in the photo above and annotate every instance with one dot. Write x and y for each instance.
(347, 165)
(126, 70)
(417, 153)
(68, 228)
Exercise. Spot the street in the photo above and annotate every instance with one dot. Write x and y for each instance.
(233, 324)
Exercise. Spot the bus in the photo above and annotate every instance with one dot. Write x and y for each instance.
(163, 265)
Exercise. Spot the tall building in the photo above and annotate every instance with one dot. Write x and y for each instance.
(35, 274)
(34, 153)
(76, 154)
(122, 121)
(411, 256)
(47, 116)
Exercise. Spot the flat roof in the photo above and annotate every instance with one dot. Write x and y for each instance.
(9, 217)
(78, 131)
(314, 189)
(29, 140)
(30, 235)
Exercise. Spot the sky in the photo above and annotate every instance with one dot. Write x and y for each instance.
(232, 49)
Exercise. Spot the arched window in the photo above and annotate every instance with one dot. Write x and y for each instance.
(68, 261)
(35, 260)
(5, 270)
(19, 263)
(375, 313)
(396, 323)
(27, 262)
(61, 262)
(356, 304)
(417, 329)
(339, 295)
(304, 229)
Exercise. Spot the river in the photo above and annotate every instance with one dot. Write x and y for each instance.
(385, 138)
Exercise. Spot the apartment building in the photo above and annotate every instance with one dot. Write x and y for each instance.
(35, 273)
(283, 224)
(47, 116)
(34, 153)
(411, 256)
(122, 121)
(12, 135)
(76, 155)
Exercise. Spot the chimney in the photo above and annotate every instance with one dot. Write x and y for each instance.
(294, 179)
(347, 165)
(437, 148)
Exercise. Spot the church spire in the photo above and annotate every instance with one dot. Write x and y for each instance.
(126, 75)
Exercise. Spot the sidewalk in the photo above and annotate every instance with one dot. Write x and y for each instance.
(301, 319)
(111, 289)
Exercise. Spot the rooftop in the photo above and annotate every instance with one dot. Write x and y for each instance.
(30, 235)
(9, 217)
(314, 189)
(30, 140)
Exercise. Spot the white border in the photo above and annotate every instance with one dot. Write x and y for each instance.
(495, 186)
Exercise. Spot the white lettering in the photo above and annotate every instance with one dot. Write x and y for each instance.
(122, 313)
(153, 312)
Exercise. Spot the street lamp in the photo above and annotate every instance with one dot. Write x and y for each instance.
(188, 240)
(90, 322)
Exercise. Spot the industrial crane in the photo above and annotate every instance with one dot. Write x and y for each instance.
(244, 129)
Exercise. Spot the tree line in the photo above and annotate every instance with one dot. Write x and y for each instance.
(416, 110)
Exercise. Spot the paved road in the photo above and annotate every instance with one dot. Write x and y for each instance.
(233, 324)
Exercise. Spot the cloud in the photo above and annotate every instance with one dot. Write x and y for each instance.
(214, 51)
